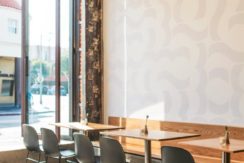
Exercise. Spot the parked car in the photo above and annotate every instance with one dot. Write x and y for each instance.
(63, 91)
(35, 89)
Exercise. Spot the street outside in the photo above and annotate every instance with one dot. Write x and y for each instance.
(40, 115)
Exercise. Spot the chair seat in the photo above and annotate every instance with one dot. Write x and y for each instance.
(64, 153)
(67, 153)
(84, 161)
(97, 160)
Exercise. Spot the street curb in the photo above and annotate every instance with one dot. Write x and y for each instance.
(9, 114)
(14, 114)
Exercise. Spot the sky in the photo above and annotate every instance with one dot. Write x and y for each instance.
(42, 24)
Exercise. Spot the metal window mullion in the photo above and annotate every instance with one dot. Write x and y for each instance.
(57, 67)
(83, 57)
(76, 57)
(24, 60)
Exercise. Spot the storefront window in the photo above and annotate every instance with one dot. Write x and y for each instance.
(7, 87)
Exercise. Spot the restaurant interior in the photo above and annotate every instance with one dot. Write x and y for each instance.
(122, 81)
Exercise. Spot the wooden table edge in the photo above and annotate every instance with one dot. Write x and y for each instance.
(58, 124)
(186, 142)
(191, 135)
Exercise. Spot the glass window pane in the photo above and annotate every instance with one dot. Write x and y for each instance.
(10, 87)
(41, 73)
(65, 64)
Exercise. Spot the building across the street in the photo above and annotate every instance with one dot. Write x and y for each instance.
(10, 53)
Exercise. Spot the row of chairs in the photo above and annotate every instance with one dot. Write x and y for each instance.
(49, 145)
(111, 149)
(112, 152)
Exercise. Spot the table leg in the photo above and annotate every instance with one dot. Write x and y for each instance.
(147, 145)
(85, 133)
(225, 157)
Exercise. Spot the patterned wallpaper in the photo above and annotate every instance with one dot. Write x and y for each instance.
(93, 61)
(176, 60)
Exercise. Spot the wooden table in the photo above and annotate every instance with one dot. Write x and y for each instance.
(235, 146)
(86, 127)
(151, 136)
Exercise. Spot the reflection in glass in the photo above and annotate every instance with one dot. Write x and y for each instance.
(10, 59)
(41, 76)
(65, 64)
(7, 87)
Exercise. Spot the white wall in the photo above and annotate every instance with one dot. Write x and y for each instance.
(9, 43)
(175, 60)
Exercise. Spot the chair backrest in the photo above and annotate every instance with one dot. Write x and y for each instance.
(49, 141)
(84, 149)
(30, 138)
(111, 151)
(175, 155)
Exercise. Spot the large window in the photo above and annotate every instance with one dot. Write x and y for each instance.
(41, 63)
(47, 66)
(49, 50)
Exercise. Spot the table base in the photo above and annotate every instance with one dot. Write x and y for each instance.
(225, 157)
(147, 147)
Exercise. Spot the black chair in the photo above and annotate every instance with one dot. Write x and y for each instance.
(175, 155)
(111, 151)
(51, 146)
(31, 142)
(84, 149)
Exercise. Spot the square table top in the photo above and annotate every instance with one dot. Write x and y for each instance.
(235, 145)
(86, 127)
(154, 135)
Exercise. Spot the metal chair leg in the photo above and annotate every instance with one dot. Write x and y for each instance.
(46, 159)
(39, 159)
(26, 160)
(59, 159)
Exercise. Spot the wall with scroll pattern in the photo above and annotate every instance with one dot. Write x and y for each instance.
(176, 60)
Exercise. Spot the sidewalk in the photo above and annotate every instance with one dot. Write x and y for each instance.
(5, 111)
